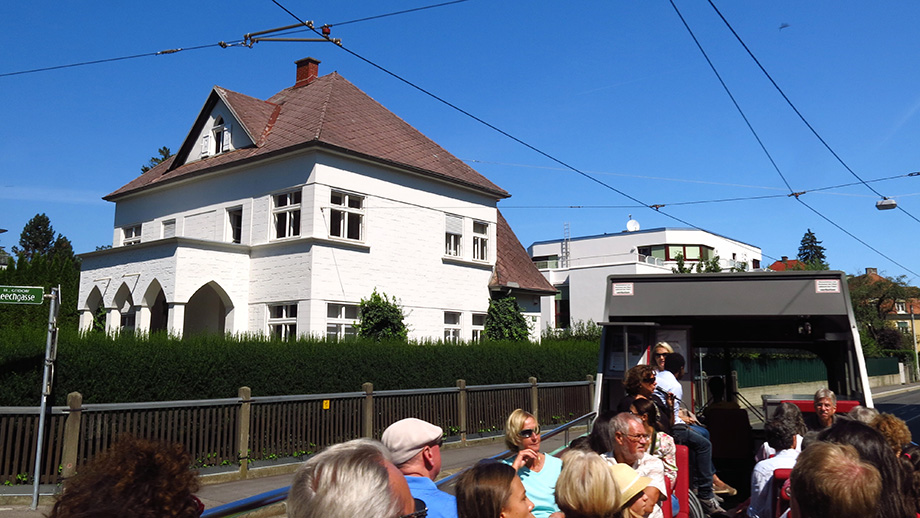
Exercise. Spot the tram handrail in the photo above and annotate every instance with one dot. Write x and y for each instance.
(277, 495)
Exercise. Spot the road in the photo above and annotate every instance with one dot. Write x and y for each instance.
(905, 406)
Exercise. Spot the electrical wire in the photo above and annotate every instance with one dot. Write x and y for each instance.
(797, 112)
(763, 147)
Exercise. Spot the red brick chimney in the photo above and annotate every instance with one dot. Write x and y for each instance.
(307, 71)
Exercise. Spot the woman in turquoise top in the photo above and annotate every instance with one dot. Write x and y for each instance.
(538, 471)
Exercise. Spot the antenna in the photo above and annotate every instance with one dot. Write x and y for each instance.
(566, 239)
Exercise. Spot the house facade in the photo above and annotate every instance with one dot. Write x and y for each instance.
(279, 216)
(578, 267)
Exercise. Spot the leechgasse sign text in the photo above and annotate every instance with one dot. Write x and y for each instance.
(22, 295)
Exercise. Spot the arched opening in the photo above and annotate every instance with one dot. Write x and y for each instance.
(124, 302)
(155, 299)
(97, 309)
(207, 310)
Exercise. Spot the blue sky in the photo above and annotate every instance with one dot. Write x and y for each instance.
(617, 89)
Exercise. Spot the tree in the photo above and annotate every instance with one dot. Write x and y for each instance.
(381, 318)
(812, 253)
(702, 266)
(155, 160)
(873, 298)
(37, 237)
(505, 321)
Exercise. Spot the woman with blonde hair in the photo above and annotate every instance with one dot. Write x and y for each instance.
(586, 487)
(538, 471)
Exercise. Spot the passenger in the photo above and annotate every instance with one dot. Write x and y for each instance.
(661, 350)
(491, 490)
(910, 460)
(538, 471)
(586, 488)
(782, 438)
(863, 414)
(415, 446)
(630, 445)
(793, 415)
(873, 449)
(134, 477)
(662, 444)
(825, 410)
(640, 383)
(355, 478)
(830, 481)
(717, 392)
(635, 502)
(894, 430)
(704, 474)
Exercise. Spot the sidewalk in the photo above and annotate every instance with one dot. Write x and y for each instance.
(454, 458)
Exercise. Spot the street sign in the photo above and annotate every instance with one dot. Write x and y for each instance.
(22, 295)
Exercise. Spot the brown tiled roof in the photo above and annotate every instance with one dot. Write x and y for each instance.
(331, 113)
(788, 264)
(513, 266)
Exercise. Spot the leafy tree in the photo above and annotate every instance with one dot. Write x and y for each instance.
(381, 318)
(155, 160)
(710, 266)
(873, 298)
(812, 253)
(681, 267)
(505, 321)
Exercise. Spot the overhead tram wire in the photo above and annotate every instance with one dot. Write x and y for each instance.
(222, 44)
(796, 110)
(497, 129)
(792, 192)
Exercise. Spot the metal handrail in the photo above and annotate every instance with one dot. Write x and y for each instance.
(277, 495)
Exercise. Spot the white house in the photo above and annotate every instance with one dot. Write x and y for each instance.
(578, 267)
(279, 216)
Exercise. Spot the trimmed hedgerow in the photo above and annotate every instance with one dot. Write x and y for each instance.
(159, 368)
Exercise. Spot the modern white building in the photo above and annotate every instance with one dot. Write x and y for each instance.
(279, 216)
(578, 267)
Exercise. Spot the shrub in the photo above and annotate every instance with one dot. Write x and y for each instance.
(505, 321)
(381, 318)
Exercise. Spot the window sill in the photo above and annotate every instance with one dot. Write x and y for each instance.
(450, 259)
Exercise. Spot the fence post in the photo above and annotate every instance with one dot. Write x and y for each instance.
(72, 434)
(534, 398)
(463, 407)
(590, 379)
(244, 423)
(368, 409)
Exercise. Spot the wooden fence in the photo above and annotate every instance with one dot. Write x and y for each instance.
(243, 430)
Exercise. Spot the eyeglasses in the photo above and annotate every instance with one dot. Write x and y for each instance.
(638, 437)
(421, 510)
(648, 380)
(439, 442)
(529, 432)
(655, 355)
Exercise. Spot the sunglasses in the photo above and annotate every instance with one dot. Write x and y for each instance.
(659, 354)
(421, 510)
(529, 432)
(648, 380)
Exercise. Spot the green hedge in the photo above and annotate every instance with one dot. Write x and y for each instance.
(159, 368)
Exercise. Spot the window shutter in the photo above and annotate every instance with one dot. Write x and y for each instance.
(204, 145)
(454, 224)
(225, 142)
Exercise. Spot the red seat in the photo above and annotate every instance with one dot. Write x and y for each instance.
(682, 485)
(808, 406)
(780, 493)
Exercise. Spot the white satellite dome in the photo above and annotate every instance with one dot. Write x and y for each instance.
(632, 225)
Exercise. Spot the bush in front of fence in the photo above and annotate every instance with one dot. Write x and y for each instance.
(158, 368)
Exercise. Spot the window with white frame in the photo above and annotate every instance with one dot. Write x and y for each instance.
(131, 235)
(235, 224)
(169, 228)
(900, 306)
(341, 320)
(221, 136)
(346, 216)
(480, 241)
(286, 213)
(453, 235)
(451, 326)
(903, 328)
(479, 326)
(282, 321)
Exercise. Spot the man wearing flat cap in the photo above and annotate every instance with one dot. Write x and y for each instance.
(416, 449)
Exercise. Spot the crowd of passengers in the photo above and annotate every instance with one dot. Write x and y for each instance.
(859, 465)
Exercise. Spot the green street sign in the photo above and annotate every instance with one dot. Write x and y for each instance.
(22, 295)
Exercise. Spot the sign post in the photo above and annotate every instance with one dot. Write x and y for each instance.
(36, 295)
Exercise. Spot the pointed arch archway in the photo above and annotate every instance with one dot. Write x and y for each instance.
(155, 301)
(124, 314)
(92, 314)
(209, 310)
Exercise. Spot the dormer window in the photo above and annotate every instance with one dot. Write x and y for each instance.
(219, 139)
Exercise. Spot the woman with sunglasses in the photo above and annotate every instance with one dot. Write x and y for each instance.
(661, 350)
(491, 490)
(538, 471)
(640, 383)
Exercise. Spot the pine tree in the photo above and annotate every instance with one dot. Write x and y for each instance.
(37, 238)
(155, 160)
(812, 253)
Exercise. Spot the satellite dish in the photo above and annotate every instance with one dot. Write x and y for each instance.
(632, 225)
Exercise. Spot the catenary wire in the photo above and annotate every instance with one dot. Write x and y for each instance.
(798, 113)
(767, 152)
